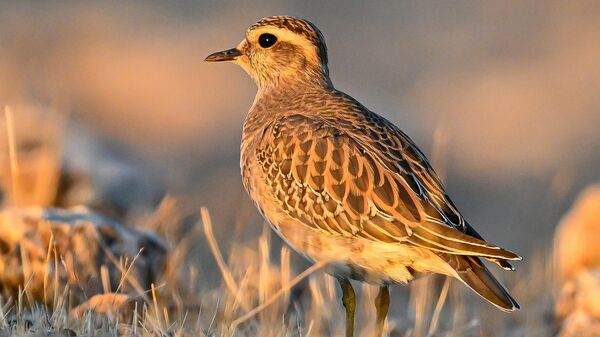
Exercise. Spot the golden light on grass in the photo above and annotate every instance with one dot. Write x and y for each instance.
(264, 267)
(433, 326)
(33, 173)
(12, 150)
(214, 247)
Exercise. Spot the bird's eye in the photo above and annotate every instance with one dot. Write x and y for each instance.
(266, 40)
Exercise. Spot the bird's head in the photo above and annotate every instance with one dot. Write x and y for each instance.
(280, 49)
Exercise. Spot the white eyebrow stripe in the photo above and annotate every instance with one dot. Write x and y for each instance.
(283, 34)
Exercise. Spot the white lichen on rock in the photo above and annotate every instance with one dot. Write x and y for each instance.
(44, 249)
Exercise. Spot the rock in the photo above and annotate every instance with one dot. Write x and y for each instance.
(105, 304)
(103, 175)
(578, 235)
(48, 249)
(578, 305)
(577, 267)
(64, 164)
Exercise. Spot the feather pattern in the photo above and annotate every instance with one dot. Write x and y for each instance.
(365, 178)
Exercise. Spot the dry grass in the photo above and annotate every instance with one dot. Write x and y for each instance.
(258, 300)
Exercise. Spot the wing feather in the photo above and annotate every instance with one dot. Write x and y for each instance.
(371, 182)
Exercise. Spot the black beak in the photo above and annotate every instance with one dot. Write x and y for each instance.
(225, 55)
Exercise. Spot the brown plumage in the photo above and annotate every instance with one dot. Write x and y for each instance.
(338, 181)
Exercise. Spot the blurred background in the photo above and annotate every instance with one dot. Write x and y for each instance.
(502, 96)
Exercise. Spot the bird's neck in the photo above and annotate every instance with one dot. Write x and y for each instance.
(296, 82)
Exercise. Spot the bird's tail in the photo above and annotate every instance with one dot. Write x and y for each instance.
(472, 272)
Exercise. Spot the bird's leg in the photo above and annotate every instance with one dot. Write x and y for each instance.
(382, 303)
(349, 301)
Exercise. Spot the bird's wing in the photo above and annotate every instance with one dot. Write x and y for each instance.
(357, 184)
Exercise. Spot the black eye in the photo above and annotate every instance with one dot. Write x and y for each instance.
(266, 40)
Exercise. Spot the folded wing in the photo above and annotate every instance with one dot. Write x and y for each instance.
(371, 182)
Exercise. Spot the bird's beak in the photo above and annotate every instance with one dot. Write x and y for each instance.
(225, 55)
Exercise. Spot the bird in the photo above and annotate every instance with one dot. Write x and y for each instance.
(342, 184)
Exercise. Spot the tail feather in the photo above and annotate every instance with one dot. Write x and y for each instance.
(503, 264)
(472, 272)
(449, 240)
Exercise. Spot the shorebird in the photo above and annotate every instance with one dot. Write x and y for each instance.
(339, 182)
